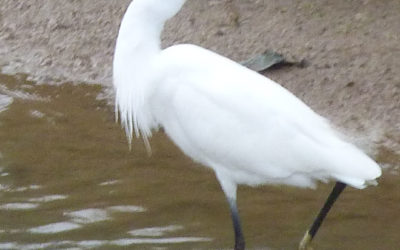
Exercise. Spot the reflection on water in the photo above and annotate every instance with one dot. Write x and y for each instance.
(155, 231)
(18, 206)
(69, 181)
(54, 228)
(5, 101)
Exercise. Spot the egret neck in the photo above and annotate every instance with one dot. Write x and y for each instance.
(138, 45)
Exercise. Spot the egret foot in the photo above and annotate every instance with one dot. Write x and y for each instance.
(305, 242)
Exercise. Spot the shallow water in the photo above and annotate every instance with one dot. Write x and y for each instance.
(69, 181)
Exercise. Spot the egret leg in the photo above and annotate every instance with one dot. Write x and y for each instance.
(239, 238)
(337, 190)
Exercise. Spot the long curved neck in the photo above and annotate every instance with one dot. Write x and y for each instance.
(142, 25)
(137, 48)
(137, 45)
(138, 37)
(140, 31)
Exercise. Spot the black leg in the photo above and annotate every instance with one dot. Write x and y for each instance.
(337, 190)
(239, 239)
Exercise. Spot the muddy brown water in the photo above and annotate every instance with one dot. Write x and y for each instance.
(69, 181)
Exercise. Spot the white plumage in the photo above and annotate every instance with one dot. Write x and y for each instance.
(244, 126)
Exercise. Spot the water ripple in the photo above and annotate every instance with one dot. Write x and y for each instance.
(48, 198)
(87, 216)
(127, 209)
(93, 244)
(54, 228)
(5, 101)
(155, 231)
(18, 206)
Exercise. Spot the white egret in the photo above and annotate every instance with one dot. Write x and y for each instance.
(244, 126)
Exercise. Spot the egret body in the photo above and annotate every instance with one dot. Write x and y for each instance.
(244, 126)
